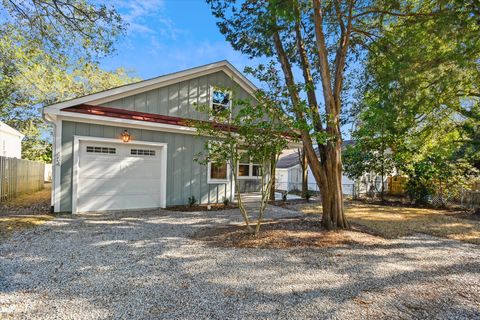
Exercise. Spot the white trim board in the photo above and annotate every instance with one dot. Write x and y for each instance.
(76, 158)
(57, 166)
(155, 83)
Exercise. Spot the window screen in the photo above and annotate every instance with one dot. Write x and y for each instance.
(243, 170)
(218, 171)
(256, 170)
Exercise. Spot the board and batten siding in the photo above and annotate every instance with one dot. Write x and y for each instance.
(185, 177)
(178, 100)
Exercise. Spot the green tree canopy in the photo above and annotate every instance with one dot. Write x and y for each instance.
(66, 29)
(49, 52)
(420, 94)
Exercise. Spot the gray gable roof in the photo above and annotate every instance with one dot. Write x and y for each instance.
(288, 161)
(292, 159)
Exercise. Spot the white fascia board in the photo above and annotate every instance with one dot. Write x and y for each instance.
(155, 83)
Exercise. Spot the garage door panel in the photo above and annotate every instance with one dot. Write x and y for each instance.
(112, 168)
(140, 169)
(100, 169)
(118, 181)
(119, 186)
(113, 202)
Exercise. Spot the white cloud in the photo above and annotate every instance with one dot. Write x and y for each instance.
(165, 59)
(147, 17)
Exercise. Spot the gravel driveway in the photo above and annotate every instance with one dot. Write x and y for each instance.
(145, 265)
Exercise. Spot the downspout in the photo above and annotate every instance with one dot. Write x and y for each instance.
(54, 164)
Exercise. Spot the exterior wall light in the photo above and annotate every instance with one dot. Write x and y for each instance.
(125, 136)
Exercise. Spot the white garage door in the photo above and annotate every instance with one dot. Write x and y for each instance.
(118, 176)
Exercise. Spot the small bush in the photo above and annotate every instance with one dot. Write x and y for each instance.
(308, 194)
(226, 201)
(192, 201)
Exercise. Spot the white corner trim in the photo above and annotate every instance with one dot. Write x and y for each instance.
(76, 158)
(57, 166)
(142, 86)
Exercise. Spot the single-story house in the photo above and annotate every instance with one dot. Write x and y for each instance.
(10, 142)
(288, 175)
(131, 147)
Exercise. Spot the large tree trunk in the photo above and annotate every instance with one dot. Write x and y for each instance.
(328, 169)
(332, 198)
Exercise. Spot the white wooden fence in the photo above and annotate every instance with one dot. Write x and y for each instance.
(19, 176)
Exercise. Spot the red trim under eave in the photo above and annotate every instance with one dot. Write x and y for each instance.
(139, 116)
(148, 117)
(126, 114)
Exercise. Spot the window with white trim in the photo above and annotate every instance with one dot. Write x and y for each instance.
(247, 169)
(244, 166)
(217, 172)
(220, 100)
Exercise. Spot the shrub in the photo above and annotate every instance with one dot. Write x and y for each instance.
(308, 194)
(226, 201)
(192, 201)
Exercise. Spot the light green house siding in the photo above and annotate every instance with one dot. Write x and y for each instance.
(185, 177)
(178, 100)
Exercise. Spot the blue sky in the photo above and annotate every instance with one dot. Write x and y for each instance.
(166, 36)
(170, 35)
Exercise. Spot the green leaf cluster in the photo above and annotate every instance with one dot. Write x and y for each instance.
(48, 53)
(420, 98)
(252, 129)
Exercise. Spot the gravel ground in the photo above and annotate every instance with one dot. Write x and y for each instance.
(144, 265)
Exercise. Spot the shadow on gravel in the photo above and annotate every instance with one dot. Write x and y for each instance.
(145, 264)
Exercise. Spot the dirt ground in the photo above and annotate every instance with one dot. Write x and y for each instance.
(25, 211)
(396, 221)
(297, 232)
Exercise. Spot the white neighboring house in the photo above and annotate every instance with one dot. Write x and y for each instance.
(10, 142)
(288, 174)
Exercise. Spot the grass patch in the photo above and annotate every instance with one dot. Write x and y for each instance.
(28, 204)
(394, 222)
(25, 211)
(10, 224)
